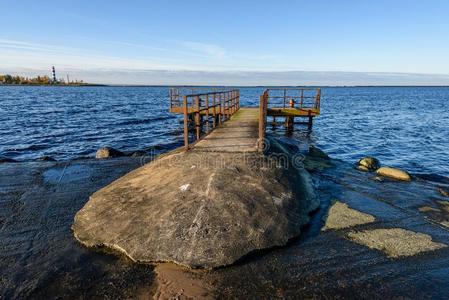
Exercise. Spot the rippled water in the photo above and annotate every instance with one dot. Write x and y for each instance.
(406, 127)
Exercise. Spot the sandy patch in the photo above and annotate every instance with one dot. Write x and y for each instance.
(341, 216)
(174, 282)
(395, 242)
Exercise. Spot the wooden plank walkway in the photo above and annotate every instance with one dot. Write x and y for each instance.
(239, 134)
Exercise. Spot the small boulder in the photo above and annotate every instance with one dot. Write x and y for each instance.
(394, 173)
(107, 152)
(368, 164)
(443, 191)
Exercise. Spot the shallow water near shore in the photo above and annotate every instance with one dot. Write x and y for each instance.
(406, 127)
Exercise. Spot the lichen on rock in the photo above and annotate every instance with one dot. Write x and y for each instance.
(395, 242)
(341, 216)
(208, 216)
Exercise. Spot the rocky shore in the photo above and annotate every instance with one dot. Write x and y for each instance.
(199, 209)
(369, 238)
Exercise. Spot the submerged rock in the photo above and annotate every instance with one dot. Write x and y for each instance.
(138, 153)
(317, 153)
(368, 164)
(208, 216)
(316, 160)
(46, 158)
(394, 173)
(6, 160)
(107, 152)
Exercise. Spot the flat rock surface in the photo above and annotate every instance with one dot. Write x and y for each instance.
(396, 242)
(198, 210)
(39, 258)
(341, 216)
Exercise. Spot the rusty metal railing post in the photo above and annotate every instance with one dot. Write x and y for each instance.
(186, 125)
(214, 112)
(302, 99)
(220, 116)
(232, 102)
(197, 117)
(207, 113)
(318, 99)
(262, 113)
(238, 99)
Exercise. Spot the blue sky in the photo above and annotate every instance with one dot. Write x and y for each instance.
(126, 42)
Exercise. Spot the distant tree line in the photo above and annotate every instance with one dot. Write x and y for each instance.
(44, 80)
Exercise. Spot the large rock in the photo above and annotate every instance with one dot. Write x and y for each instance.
(108, 152)
(368, 164)
(198, 210)
(394, 173)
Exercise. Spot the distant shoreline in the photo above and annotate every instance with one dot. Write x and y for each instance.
(227, 86)
(59, 85)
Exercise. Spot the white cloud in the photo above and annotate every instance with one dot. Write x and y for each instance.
(209, 50)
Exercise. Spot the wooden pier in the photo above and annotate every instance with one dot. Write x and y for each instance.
(217, 123)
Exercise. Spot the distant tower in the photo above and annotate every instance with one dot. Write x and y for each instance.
(54, 74)
(68, 79)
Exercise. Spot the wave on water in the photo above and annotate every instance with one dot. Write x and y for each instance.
(356, 121)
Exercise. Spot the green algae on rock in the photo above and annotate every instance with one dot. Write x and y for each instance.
(341, 216)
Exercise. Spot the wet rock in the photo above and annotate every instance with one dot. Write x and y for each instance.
(207, 216)
(107, 152)
(396, 242)
(175, 282)
(316, 160)
(317, 153)
(394, 173)
(341, 216)
(6, 160)
(443, 191)
(138, 154)
(368, 164)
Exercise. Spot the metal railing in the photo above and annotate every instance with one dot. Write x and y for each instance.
(299, 98)
(176, 94)
(305, 99)
(207, 111)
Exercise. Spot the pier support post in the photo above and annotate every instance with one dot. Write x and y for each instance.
(290, 119)
(310, 123)
(197, 118)
(207, 114)
(186, 125)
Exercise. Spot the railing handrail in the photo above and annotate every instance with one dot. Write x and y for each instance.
(302, 96)
(219, 105)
